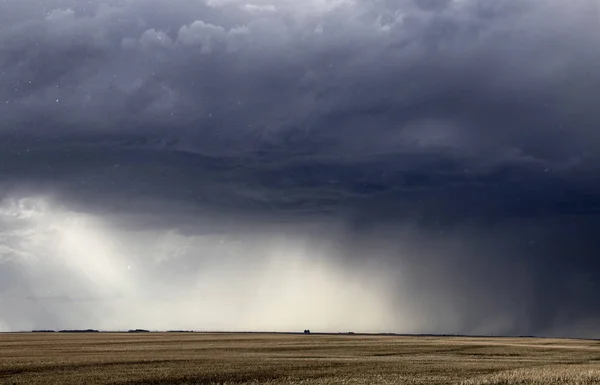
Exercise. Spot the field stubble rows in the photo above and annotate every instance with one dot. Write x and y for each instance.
(203, 358)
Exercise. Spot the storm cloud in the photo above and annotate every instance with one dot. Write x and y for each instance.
(407, 166)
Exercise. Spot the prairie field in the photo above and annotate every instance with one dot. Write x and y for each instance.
(230, 358)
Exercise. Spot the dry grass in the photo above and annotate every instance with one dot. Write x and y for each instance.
(197, 358)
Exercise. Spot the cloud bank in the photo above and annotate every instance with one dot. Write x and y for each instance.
(413, 166)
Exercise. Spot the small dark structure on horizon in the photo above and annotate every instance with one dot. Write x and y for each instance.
(306, 331)
(139, 331)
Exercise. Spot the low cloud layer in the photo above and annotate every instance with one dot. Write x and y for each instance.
(413, 166)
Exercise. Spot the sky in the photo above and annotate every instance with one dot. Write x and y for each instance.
(412, 166)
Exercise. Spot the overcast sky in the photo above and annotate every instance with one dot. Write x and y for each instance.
(418, 166)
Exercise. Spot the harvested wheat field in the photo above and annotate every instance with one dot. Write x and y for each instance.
(202, 358)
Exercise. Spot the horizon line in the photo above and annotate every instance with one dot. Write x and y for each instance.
(349, 333)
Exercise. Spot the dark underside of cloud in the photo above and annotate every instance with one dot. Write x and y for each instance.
(433, 162)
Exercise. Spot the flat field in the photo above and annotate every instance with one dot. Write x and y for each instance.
(201, 358)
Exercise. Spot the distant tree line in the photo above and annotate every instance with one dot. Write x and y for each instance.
(97, 331)
(79, 331)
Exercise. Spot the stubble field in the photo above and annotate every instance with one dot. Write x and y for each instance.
(201, 358)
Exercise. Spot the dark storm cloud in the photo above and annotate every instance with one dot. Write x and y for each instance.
(455, 140)
(423, 83)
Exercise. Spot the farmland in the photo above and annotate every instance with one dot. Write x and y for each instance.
(254, 358)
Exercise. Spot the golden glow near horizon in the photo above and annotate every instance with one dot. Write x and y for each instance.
(229, 282)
